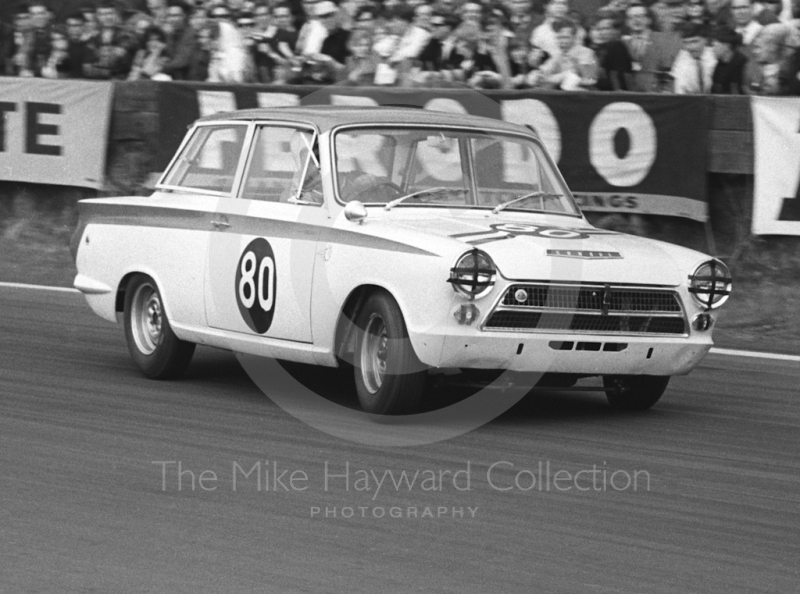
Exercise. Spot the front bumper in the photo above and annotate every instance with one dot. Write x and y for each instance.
(586, 355)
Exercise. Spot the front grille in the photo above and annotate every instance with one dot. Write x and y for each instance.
(588, 309)
(581, 297)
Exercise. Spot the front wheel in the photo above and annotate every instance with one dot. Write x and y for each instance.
(634, 392)
(153, 346)
(389, 378)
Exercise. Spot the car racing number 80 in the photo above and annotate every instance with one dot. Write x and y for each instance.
(255, 285)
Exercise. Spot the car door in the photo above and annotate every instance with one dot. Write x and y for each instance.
(177, 220)
(261, 256)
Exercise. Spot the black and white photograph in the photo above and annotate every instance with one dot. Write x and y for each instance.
(394, 296)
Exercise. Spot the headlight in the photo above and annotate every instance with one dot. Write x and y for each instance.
(710, 284)
(473, 275)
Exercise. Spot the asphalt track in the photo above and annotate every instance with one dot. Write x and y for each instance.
(83, 507)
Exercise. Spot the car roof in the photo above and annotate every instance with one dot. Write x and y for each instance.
(326, 117)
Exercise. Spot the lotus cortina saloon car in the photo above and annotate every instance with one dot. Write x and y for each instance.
(393, 243)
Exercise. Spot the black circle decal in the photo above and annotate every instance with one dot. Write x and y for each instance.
(255, 285)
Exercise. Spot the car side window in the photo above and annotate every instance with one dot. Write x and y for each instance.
(283, 166)
(210, 159)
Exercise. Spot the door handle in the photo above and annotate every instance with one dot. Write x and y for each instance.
(220, 224)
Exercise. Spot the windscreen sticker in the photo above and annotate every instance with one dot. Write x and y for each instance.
(500, 231)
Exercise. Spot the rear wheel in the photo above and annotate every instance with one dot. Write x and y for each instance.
(154, 348)
(389, 378)
(634, 392)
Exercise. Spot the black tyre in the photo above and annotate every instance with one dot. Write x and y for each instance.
(390, 380)
(634, 392)
(154, 348)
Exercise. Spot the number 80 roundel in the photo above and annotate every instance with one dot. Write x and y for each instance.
(255, 285)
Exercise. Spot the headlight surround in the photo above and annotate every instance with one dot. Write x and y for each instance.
(710, 284)
(473, 275)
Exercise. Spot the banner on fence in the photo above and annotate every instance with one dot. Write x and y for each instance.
(54, 131)
(633, 154)
(776, 145)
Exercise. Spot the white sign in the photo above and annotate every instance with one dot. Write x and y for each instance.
(54, 131)
(776, 145)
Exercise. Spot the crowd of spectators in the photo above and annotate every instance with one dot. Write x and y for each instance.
(681, 46)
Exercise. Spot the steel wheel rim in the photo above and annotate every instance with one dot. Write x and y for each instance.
(374, 352)
(147, 318)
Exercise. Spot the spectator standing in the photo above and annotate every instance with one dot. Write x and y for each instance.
(75, 31)
(91, 26)
(19, 60)
(109, 52)
(544, 36)
(744, 22)
(58, 63)
(262, 17)
(694, 66)
(719, 12)
(229, 61)
(574, 67)
(473, 60)
(6, 48)
(496, 39)
(158, 12)
(471, 12)
(652, 52)
(335, 45)
(669, 15)
(413, 30)
(435, 58)
(150, 62)
(207, 37)
(198, 18)
(274, 49)
(615, 67)
(697, 12)
(524, 19)
(769, 73)
(312, 34)
(181, 41)
(360, 64)
(729, 75)
(366, 19)
(40, 38)
(402, 43)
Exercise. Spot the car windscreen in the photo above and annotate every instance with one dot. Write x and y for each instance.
(451, 167)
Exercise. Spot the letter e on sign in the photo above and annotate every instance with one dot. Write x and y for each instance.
(632, 165)
(35, 128)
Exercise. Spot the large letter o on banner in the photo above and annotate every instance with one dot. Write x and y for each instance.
(536, 114)
(632, 167)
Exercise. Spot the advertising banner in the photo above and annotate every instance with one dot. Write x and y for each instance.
(54, 131)
(627, 154)
(776, 145)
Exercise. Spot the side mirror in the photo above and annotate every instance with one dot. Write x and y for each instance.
(355, 212)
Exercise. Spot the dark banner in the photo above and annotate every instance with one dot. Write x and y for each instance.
(624, 153)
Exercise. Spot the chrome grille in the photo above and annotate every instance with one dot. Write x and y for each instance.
(581, 297)
(587, 309)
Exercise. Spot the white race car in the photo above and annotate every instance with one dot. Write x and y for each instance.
(394, 242)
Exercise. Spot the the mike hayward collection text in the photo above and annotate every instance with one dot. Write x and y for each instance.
(503, 476)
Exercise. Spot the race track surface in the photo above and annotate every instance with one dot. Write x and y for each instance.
(83, 507)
